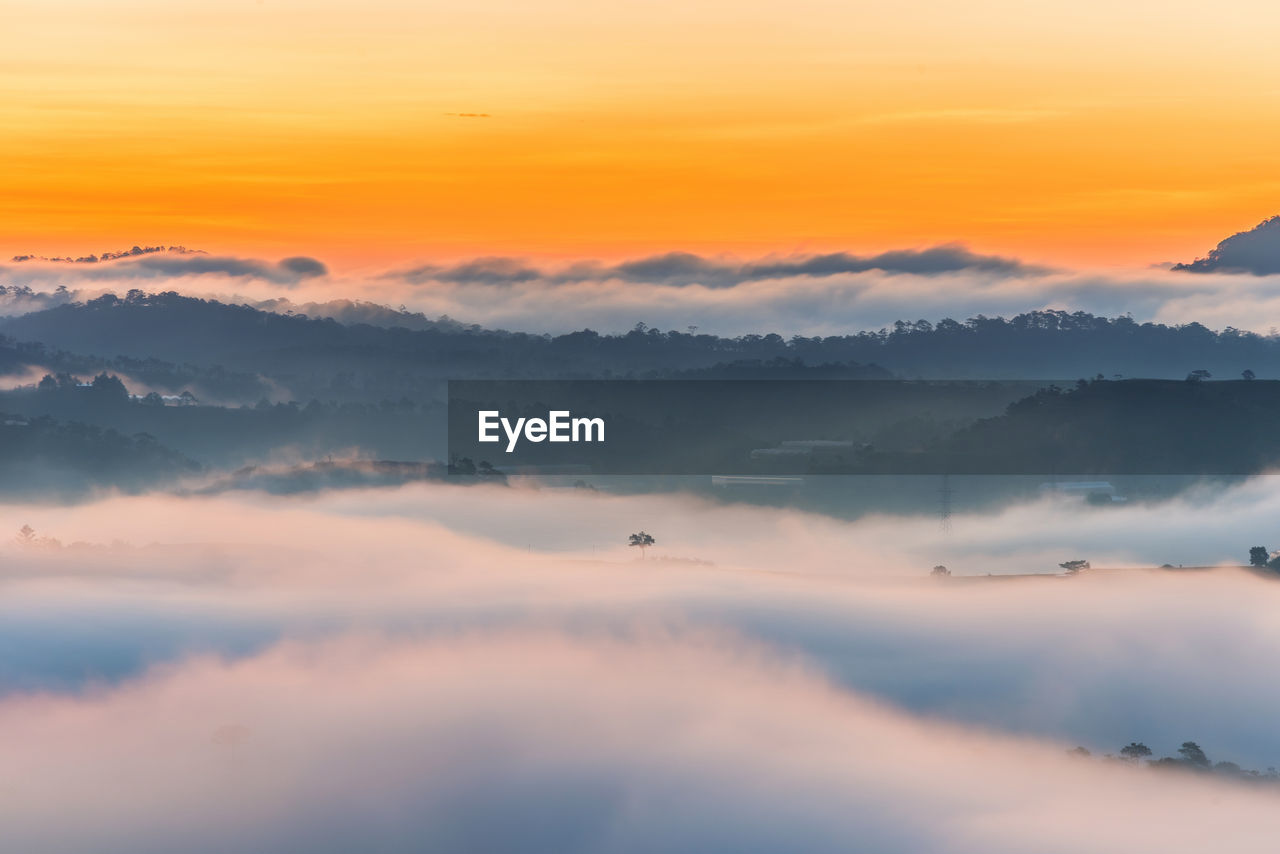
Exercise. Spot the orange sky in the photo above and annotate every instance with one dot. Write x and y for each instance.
(1082, 132)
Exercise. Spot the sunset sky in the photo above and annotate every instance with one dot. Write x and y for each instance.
(1081, 132)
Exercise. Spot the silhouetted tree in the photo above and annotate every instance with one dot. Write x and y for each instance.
(1135, 750)
(1193, 755)
(641, 541)
(1248, 374)
(940, 571)
(1258, 556)
(109, 386)
(1198, 375)
(26, 535)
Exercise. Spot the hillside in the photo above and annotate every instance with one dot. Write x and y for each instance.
(314, 355)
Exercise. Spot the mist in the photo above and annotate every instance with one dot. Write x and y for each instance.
(404, 662)
(718, 296)
(545, 743)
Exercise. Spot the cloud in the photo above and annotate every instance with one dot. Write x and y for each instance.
(1067, 659)
(486, 271)
(830, 294)
(631, 744)
(918, 262)
(822, 295)
(815, 295)
(1255, 251)
(303, 267)
(397, 667)
(150, 266)
(684, 268)
(288, 271)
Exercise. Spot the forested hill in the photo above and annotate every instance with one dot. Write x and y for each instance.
(1127, 427)
(43, 456)
(1042, 344)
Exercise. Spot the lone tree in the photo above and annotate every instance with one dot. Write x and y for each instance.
(1198, 375)
(26, 536)
(642, 541)
(1248, 374)
(1074, 565)
(1135, 750)
(940, 570)
(1258, 556)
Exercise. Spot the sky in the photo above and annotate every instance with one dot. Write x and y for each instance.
(1087, 133)
(307, 672)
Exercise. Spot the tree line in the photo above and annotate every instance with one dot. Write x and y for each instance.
(1038, 344)
(1190, 757)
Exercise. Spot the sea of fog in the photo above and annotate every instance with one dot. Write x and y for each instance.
(449, 668)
